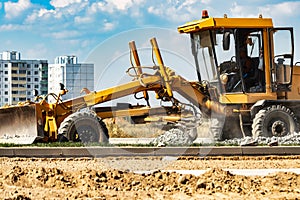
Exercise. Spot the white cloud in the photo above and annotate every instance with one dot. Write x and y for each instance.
(120, 4)
(12, 27)
(38, 51)
(63, 3)
(83, 20)
(177, 11)
(85, 43)
(243, 11)
(108, 26)
(65, 34)
(280, 12)
(69, 12)
(285, 9)
(42, 13)
(15, 9)
(75, 8)
(237, 9)
(112, 6)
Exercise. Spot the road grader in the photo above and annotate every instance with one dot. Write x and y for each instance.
(247, 86)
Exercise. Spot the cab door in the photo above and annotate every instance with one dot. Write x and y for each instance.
(282, 54)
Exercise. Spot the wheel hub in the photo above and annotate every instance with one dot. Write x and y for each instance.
(279, 128)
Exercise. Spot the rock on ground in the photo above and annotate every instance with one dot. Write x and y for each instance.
(291, 139)
(173, 137)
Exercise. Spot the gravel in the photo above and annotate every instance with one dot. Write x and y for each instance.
(180, 137)
(173, 137)
(292, 139)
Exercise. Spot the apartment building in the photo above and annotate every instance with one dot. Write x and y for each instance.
(72, 74)
(19, 77)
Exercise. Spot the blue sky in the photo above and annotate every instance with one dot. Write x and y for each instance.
(46, 29)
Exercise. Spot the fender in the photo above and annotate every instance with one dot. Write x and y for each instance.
(257, 106)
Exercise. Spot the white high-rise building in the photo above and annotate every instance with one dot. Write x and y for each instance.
(73, 75)
(19, 77)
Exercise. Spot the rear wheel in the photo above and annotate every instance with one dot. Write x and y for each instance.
(83, 127)
(276, 120)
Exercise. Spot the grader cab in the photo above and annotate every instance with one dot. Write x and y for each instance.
(250, 69)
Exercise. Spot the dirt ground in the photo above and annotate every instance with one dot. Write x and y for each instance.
(112, 178)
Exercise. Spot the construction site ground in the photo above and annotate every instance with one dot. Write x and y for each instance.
(114, 178)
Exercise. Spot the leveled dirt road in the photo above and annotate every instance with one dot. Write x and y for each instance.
(111, 178)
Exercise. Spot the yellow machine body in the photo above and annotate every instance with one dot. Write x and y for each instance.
(277, 93)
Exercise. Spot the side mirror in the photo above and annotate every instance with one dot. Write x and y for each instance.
(35, 93)
(62, 86)
(226, 41)
(63, 89)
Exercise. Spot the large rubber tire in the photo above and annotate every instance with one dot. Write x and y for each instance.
(275, 120)
(85, 127)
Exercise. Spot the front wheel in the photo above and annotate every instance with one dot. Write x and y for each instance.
(83, 127)
(276, 120)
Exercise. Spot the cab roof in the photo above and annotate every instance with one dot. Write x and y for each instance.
(216, 23)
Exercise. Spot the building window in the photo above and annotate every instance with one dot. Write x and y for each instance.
(36, 72)
(22, 71)
(28, 86)
(29, 93)
(6, 100)
(28, 72)
(36, 79)
(14, 72)
(36, 65)
(5, 79)
(44, 85)
(5, 65)
(5, 86)
(5, 72)
(28, 79)
(6, 93)
(36, 86)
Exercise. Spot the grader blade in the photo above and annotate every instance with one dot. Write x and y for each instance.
(18, 125)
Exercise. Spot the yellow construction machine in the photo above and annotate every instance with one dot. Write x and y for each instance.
(246, 86)
(248, 65)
